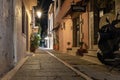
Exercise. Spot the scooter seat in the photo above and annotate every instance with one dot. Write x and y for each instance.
(117, 52)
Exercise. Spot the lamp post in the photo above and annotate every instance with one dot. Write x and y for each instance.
(39, 14)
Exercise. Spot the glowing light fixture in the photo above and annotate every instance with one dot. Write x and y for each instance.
(39, 13)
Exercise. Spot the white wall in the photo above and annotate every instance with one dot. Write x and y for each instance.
(50, 33)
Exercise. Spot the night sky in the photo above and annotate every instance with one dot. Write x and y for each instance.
(44, 6)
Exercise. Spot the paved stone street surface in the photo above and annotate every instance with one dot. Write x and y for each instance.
(95, 71)
(43, 66)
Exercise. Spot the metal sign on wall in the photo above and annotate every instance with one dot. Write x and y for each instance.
(78, 8)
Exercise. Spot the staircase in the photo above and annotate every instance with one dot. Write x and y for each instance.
(92, 55)
(73, 51)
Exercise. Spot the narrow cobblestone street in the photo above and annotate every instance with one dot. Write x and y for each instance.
(48, 64)
(93, 70)
(43, 66)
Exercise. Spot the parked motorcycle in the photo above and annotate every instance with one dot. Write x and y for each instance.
(109, 43)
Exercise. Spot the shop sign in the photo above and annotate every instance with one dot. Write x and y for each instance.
(78, 8)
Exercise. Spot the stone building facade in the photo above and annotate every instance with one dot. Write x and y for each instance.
(77, 26)
(70, 26)
(15, 30)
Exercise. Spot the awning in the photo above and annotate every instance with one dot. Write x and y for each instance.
(79, 7)
(84, 2)
(56, 28)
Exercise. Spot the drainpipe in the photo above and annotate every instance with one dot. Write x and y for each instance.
(81, 33)
(90, 27)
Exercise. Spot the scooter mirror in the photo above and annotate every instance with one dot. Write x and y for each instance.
(118, 13)
(107, 20)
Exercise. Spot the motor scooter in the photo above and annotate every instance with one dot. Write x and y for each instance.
(109, 43)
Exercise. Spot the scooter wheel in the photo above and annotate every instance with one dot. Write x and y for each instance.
(101, 58)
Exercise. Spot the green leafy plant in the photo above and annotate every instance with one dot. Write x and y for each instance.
(34, 42)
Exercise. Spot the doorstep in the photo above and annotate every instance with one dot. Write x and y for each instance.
(91, 56)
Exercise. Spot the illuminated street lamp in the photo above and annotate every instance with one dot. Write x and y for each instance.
(39, 13)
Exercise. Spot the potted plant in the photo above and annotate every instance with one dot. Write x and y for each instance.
(56, 46)
(34, 42)
(82, 49)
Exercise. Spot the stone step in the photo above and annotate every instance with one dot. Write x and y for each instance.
(92, 53)
(75, 48)
(73, 51)
(95, 46)
(92, 59)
